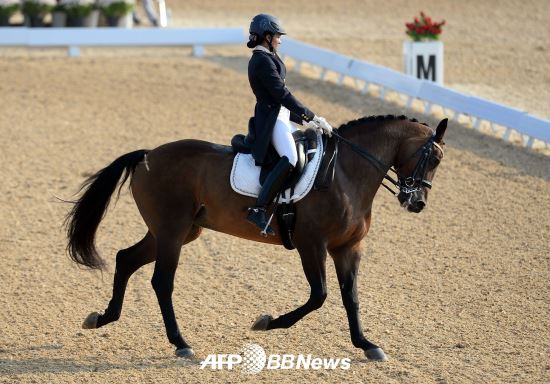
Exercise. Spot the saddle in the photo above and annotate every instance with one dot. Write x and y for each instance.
(306, 148)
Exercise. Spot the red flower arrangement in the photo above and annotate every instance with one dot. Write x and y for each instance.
(424, 29)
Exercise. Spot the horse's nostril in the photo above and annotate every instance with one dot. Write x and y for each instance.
(420, 205)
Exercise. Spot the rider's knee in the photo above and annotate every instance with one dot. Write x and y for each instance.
(292, 158)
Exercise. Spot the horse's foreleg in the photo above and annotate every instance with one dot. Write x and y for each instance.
(346, 261)
(313, 262)
(168, 252)
(128, 261)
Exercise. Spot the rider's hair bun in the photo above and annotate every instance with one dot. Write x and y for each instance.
(253, 40)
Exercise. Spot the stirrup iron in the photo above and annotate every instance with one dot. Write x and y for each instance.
(264, 231)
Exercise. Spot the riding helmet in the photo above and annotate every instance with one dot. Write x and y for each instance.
(262, 25)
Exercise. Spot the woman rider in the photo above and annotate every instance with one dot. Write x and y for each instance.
(275, 108)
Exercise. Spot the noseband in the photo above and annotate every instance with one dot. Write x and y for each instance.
(417, 180)
(405, 184)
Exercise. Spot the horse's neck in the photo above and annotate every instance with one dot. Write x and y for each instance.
(362, 177)
(381, 141)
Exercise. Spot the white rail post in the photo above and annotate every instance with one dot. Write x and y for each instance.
(198, 50)
(507, 134)
(73, 51)
(382, 93)
(163, 16)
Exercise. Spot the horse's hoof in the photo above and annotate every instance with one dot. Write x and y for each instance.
(91, 321)
(185, 352)
(261, 323)
(376, 354)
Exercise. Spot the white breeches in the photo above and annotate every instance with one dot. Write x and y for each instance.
(282, 138)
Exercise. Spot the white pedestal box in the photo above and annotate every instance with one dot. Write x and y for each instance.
(424, 60)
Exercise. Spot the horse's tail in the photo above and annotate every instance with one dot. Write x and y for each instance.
(84, 218)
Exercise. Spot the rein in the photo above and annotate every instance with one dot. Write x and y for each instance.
(406, 185)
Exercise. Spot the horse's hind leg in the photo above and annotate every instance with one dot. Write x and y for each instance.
(313, 258)
(168, 252)
(128, 261)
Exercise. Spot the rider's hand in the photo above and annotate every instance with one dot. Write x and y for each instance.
(323, 125)
(310, 124)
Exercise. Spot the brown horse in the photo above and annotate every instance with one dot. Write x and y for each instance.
(182, 187)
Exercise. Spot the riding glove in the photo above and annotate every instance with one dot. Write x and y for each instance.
(319, 123)
(322, 123)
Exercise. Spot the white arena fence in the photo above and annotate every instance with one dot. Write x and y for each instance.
(530, 127)
(512, 119)
(74, 38)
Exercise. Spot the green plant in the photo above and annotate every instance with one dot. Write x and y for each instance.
(58, 8)
(7, 9)
(36, 8)
(78, 8)
(117, 9)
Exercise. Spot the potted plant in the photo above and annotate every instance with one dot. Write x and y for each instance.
(92, 19)
(423, 56)
(7, 10)
(77, 11)
(115, 11)
(59, 17)
(35, 10)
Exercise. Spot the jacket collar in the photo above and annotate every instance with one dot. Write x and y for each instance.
(263, 49)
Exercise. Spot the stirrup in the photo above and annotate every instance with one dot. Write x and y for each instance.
(256, 216)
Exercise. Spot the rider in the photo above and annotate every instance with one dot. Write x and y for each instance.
(275, 108)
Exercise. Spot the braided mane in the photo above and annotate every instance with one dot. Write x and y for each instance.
(367, 119)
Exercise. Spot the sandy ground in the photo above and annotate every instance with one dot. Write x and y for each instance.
(459, 293)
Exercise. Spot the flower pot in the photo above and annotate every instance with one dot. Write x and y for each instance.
(59, 19)
(91, 20)
(4, 21)
(34, 21)
(424, 60)
(125, 21)
(75, 21)
(112, 21)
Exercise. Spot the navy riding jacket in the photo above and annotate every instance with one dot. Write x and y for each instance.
(266, 74)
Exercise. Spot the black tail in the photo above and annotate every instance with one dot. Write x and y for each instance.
(84, 218)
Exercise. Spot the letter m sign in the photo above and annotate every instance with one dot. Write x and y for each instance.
(424, 60)
(424, 71)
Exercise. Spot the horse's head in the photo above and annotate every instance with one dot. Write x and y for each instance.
(416, 164)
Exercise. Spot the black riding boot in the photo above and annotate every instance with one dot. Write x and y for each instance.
(272, 185)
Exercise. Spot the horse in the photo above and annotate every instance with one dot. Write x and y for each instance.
(181, 187)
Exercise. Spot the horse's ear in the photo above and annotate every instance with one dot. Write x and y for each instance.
(440, 131)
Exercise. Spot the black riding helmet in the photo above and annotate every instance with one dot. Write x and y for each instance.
(262, 25)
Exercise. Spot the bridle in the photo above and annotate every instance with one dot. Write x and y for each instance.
(405, 184)
(417, 180)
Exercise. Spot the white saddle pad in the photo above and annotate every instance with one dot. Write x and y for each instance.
(245, 176)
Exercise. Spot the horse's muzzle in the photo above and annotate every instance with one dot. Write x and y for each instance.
(417, 206)
(413, 202)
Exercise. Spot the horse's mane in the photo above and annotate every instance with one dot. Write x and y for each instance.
(378, 118)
